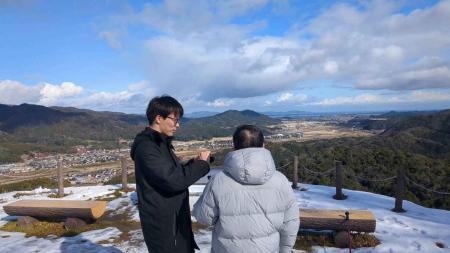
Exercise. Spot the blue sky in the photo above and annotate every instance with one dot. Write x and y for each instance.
(265, 55)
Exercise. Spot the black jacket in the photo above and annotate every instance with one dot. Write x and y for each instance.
(162, 188)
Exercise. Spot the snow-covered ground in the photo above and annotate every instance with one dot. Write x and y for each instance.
(417, 230)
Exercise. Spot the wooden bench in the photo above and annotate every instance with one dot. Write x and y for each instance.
(57, 209)
(339, 221)
(321, 219)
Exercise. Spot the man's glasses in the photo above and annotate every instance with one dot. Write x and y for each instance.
(175, 120)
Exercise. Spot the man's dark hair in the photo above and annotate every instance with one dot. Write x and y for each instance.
(163, 105)
(247, 136)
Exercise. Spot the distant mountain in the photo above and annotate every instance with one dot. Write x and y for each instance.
(13, 117)
(26, 127)
(288, 114)
(200, 114)
(233, 118)
(222, 124)
(313, 115)
(385, 120)
(427, 133)
(133, 119)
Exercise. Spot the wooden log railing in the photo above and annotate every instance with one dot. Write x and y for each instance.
(339, 170)
(57, 209)
(322, 219)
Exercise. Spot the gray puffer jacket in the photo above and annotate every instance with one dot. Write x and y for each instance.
(251, 205)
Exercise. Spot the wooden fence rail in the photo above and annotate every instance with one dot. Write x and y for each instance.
(400, 182)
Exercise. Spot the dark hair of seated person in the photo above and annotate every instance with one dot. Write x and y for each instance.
(248, 136)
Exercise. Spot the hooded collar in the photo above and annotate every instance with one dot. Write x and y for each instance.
(250, 165)
(157, 136)
(153, 135)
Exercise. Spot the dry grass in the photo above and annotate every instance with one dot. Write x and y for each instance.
(43, 229)
(56, 196)
(115, 195)
(361, 240)
(20, 194)
(128, 189)
(197, 226)
(306, 242)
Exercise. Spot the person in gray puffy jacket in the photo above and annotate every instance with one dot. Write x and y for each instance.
(250, 205)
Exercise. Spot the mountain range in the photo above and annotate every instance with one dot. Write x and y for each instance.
(29, 127)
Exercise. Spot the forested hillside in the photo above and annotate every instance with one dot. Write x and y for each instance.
(419, 144)
(26, 128)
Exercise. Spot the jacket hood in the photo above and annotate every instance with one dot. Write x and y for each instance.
(152, 135)
(250, 165)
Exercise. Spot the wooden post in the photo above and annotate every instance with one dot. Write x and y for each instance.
(123, 162)
(399, 191)
(339, 182)
(60, 178)
(295, 175)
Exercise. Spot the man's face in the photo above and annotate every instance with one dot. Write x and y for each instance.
(168, 126)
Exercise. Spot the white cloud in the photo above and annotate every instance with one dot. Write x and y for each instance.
(256, 67)
(360, 99)
(51, 94)
(378, 47)
(411, 79)
(370, 46)
(134, 99)
(13, 92)
(221, 102)
(427, 97)
(211, 53)
(112, 37)
(373, 99)
(142, 86)
(330, 67)
(285, 96)
(290, 97)
(391, 52)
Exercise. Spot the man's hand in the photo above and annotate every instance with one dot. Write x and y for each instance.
(204, 155)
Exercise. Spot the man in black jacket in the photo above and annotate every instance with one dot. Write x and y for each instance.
(162, 182)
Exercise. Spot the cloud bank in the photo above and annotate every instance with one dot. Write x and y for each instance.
(197, 48)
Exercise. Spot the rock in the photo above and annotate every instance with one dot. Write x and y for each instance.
(341, 239)
(74, 223)
(26, 222)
